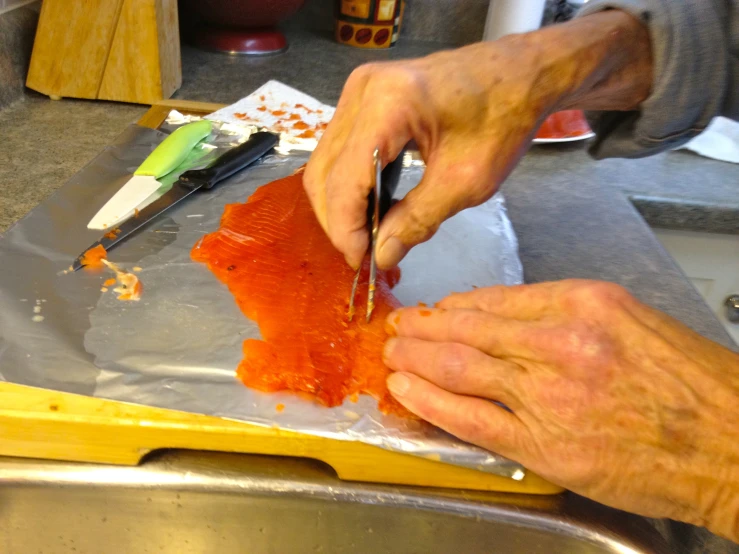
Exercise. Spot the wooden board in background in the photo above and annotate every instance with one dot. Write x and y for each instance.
(71, 47)
(144, 58)
(54, 425)
(122, 50)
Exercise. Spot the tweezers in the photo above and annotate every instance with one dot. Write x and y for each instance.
(379, 201)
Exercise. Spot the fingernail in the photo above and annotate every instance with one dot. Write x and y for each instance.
(387, 351)
(391, 252)
(398, 384)
(391, 323)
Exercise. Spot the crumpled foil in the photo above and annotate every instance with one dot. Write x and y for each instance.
(179, 346)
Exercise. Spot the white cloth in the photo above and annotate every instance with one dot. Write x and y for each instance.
(719, 141)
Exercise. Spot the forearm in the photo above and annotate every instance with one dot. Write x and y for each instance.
(599, 62)
(694, 75)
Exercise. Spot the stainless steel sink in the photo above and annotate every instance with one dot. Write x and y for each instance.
(196, 503)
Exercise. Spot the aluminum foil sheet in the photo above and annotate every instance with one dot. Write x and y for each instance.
(178, 347)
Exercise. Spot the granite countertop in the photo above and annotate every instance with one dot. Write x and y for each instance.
(573, 215)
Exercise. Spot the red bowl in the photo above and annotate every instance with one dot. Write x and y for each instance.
(243, 14)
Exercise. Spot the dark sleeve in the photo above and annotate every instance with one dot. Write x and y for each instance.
(695, 49)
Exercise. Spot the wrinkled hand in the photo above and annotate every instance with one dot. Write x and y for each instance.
(608, 397)
(469, 140)
(472, 113)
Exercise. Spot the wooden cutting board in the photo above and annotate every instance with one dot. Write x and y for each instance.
(39, 423)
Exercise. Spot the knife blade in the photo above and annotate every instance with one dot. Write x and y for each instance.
(223, 167)
(145, 181)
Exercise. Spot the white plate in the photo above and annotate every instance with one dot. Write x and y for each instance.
(565, 139)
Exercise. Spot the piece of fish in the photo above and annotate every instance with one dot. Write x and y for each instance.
(286, 275)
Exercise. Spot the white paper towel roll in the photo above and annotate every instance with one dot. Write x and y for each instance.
(512, 16)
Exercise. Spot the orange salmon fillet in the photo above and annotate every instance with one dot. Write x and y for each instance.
(286, 276)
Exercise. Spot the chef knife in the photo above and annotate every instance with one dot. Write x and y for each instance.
(145, 181)
(189, 182)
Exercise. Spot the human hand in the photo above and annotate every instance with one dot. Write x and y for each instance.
(469, 143)
(608, 397)
(472, 113)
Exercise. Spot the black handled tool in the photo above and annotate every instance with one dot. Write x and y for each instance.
(379, 202)
(224, 166)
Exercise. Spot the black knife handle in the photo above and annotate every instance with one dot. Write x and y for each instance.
(232, 161)
(388, 186)
(390, 181)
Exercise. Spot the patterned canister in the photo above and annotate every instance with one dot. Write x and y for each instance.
(369, 23)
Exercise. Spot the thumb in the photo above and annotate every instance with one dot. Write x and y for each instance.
(447, 187)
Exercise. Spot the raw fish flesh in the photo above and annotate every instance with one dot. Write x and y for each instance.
(286, 275)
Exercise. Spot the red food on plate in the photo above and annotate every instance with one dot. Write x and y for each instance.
(564, 124)
(286, 276)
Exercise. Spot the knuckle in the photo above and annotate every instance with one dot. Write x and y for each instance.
(383, 75)
(404, 77)
(592, 295)
(478, 428)
(461, 323)
(451, 365)
(416, 226)
(418, 223)
(362, 72)
(396, 87)
(492, 297)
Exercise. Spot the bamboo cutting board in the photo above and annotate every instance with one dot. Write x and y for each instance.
(40, 423)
